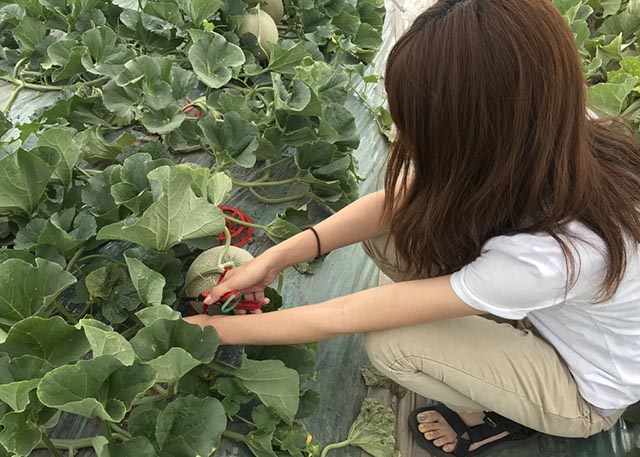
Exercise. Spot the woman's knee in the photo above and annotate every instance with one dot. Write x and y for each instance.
(374, 342)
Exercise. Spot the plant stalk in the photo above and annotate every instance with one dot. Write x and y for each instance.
(275, 164)
(227, 244)
(12, 98)
(38, 87)
(280, 283)
(275, 201)
(107, 429)
(66, 313)
(245, 224)
(18, 65)
(74, 259)
(101, 256)
(258, 183)
(334, 446)
(234, 436)
(50, 445)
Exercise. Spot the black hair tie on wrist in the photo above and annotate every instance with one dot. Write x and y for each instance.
(317, 241)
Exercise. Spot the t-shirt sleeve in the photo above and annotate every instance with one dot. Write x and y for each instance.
(513, 276)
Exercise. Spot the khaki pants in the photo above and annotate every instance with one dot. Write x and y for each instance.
(474, 364)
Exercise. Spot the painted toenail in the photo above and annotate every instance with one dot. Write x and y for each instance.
(422, 416)
(421, 427)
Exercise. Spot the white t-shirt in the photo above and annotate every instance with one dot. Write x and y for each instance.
(524, 275)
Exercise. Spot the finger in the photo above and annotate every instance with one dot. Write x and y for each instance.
(240, 311)
(217, 292)
(256, 311)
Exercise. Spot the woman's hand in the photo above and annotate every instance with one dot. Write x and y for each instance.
(249, 279)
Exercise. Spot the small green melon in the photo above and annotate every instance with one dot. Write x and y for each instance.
(201, 276)
(262, 26)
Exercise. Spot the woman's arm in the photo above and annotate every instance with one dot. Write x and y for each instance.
(356, 222)
(395, 305)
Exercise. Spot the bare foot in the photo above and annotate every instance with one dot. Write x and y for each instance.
(436, 429)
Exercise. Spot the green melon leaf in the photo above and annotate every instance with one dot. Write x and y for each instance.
(96, 193)
(218, 188)
(149, 315)
(279, 230)
(277, 386)
(51, 340)
(175, 216)
(101, 387)
(26, 290)
(329, 84)
(67, 55)
(233, 140)
(190, 426)
(30, 33)
(120, 100)
(19, 434)
(164, 120)
(610, 7)
(64, 230)
(174, 347)
(105, 341)
(259, 442)
(96, 148)
(110, 287)
(299, 101)
(315, 154)
(19, 378)
(624, 22)
(609, 99)
(61, 139)
(148, 283)
(285, 56)
(338, 126)
(142, 421)
(631, 65)
(199, 10)
(16, 394)
(214, 58)
(104, 56)
(24, 176)
(138, 446)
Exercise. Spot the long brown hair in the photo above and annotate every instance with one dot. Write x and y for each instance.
(488, 97)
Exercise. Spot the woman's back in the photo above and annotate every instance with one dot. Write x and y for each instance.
(525, 275)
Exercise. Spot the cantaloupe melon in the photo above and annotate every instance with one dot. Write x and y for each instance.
(263, 27)
(204, 272)
(273, 8)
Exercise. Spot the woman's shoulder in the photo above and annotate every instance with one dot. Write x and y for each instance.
(583, 244)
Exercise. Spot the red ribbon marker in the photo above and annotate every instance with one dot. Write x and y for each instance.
(240, 234)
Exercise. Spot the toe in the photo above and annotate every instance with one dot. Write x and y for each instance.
(427, 416)
(428, 427)
(433, 435)
(441, 441)
(432, 416)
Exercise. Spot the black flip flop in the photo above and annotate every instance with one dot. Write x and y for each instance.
(493, 425)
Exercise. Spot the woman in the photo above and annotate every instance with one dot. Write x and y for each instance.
(501, 198)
